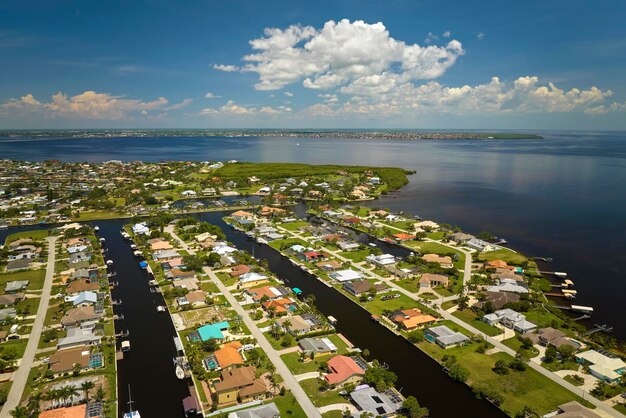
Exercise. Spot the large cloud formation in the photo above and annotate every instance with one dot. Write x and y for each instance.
(361, 69)
(344, 53)
(88, 105)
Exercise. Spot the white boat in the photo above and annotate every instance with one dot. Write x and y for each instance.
(4, 226)
(137, 253)
(96, 228)
(125, 346)
(180, 373)
(102, 240)
(133, 247)
(109, 262)
(161, 308)
(131, 413)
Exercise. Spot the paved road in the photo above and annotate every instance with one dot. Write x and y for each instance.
(289, 379)
(21, 376)
(603, 407)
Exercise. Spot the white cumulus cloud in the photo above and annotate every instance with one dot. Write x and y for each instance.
(343, 54)
(225, 68)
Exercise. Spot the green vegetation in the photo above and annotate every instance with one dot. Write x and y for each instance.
(36, 278)
(36, 235)
(509, 256)
(395, 178)
(471, 318)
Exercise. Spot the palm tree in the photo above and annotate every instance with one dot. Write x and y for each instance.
(86, 386)
(33, 404)
(69, 393)
(20, 412)
(100, 395)
(54, 395)
(274, 383)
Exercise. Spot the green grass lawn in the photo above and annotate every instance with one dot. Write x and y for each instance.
(518, 388)
(355, 256)
(378, 306)
(292, 361)
(226, 279)
(294, 226)
(96, 214)
(286, 243)
(329, 397)
(288, 406)
(411, 284)
(515, 344)
(18, 345)
(436, 235)
(35, 277)
(470, 318)
(511, 257)
(36, 235)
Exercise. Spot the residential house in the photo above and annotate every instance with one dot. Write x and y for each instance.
(213, 331)
(359, 287)
(444, 337)
(425, 225)
(16, 286)
(602, 366)
(18, 264)
(229, 355)
(279, 306)
(238, 270)
(433, 280)
(178, 274)
(77, 316)
(81, 285)
(445, 261)
(551, 336)
(346, 275)
(88, 333)
(410, 319)
(510, 319)
(239, 384)
(348, 245)
(343, 370)
(331, 265)
(11, 299)
(311, 256)
(65, 360)
(508, 285)
(77, 411)
(267, 293)
(317, 346)
(379, 404)
(572, 409)
(498, 299)
(298, 324)
(251, 279)
(83, 299)
(381, 260)
(269, 410)
(460, 237)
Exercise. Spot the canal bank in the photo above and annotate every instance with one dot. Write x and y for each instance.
(418, 374)
(148, 367)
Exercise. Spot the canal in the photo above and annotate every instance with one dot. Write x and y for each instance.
(148, 368)
(418, 374)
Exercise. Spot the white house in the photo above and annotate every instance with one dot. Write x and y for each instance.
(381, 260)
(508, 285)
(510, 319)
(609, 369)
(141, 229)
(346, 275)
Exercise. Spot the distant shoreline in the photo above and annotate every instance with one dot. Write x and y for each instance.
(38, 135)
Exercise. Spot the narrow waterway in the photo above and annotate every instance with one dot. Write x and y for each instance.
(148, 367)
(418, 374)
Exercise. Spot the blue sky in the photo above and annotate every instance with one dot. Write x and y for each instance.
(408, 64)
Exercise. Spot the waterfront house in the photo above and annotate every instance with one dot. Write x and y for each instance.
(359, 287)
(189, 284)
(238, 270)
(311, 256)
(251, 279)
(213, 331)
(141, 229)
(267, 293)
(479, 244)
(77, 411)
(159, 244)
(317, 346)
(382, 260)
(551, 336)
(83, 298)
(88, 333)
(346, 275)
(65, 360)
(445, 261)
(240, 214)
(508, 285)
(229, 355)
(510, 319)
(239, 384)
(343, 370)
(178, 274)
(269, 410)
(404, 237)
(79, 315)
(299, 324)
(460, 237)
(444, 337)
(602, 366)
(572, 409)
(497, 299)
(80, 256)
(165, 255)
(331, 265)
(379, 404)
(425, 225)
(195, 298)
(271, 211)
(433, 280)
(410, 319)
(280, 306)
(348, 245)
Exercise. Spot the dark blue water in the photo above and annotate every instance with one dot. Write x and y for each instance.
(562, 196)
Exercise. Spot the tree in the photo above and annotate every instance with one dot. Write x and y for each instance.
(501, 367)
(20, 412)
(566, 351)
(458, 373)
(416, 336)
(86, 386)
(380, 378)
(413, 408)
(550, 355)
(100, 394)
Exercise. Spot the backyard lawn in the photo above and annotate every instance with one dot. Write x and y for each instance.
(37, 235)
(511, 257)
(470, 318)
(35, 277)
